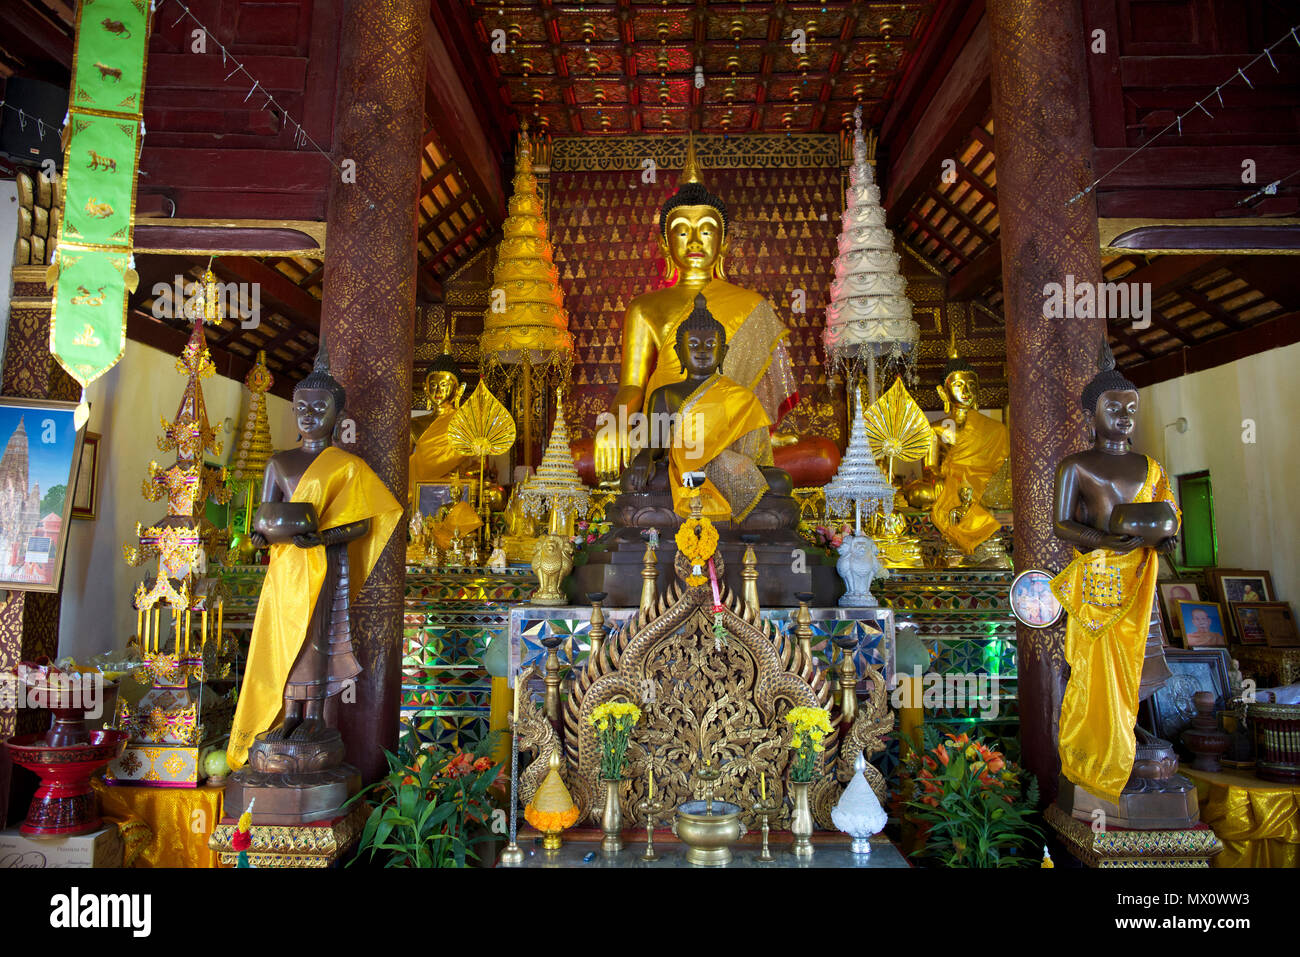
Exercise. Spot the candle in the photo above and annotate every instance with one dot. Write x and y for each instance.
(203, 628)
(652, 784)
(221, 606)
(187, 631)
(139, 625)
(762, 784)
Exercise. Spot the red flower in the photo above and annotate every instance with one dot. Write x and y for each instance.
(482, 764)
(942, 752)
(459, 766)
(241, 840)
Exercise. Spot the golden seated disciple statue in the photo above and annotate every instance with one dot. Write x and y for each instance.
(432, 455)
(979, 447)
(693, 237)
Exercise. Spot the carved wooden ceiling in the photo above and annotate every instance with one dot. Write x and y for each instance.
(618, 66)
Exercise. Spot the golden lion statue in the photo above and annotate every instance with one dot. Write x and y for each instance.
(552, 560)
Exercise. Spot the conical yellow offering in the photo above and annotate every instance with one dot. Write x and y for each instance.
(552, 810)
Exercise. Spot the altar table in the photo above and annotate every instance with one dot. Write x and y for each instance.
(883, 854)
(163, 827)
(1257, 821)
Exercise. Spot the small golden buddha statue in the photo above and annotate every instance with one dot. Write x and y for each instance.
(978, 447)
(693, 238)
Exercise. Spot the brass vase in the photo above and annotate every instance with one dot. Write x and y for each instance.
(611, 818)
(801, 822)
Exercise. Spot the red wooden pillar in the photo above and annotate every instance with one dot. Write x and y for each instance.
(1044, 148)
(368, 317)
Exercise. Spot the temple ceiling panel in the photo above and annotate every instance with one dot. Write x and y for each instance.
(645, 54)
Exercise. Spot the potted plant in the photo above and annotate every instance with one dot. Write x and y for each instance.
(973, 805)
(432, 808)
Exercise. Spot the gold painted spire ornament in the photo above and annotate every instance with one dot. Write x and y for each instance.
(526, 327)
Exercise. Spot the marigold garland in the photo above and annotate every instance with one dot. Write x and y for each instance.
(697, 539)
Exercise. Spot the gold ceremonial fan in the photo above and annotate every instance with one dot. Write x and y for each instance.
(896, 426)
(482, 426)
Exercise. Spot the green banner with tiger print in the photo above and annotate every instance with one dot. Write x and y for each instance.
(92, 270)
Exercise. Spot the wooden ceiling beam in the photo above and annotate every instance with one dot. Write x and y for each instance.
(144, 328)
(960, 104)
(443, 216)
(977, 275)
(282, 293)
(44, 33)
(1218, 350)
(460, 239)
(455, 114)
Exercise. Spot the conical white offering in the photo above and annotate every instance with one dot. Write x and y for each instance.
(858, 813)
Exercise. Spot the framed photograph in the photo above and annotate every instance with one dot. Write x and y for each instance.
(1271, 620)
(42, 450)
(1245, 586)
(1193, 670)
(1202, 624)
(1032, 601)
(431, 496)
(1246, 623)
(1171, 593)
(85, 493)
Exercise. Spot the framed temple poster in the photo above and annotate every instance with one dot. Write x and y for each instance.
(42, 451)
(85, 493)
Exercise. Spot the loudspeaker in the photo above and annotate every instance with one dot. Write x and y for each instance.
(21, 136)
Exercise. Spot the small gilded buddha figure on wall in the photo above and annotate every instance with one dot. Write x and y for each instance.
(719, 428)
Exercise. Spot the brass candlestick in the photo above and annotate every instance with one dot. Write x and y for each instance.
(803, 627)
(650, 809)
(708, 777)
(765, 808)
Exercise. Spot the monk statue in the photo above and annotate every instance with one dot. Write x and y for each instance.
(432, 457)
(1115, 505)
(978, 449)
(693, 237)
(326, 517)
(718, 426)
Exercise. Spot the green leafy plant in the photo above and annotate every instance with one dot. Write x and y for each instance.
(432, 808)
(973, 805)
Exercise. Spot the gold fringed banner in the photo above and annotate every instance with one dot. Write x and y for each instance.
(92, 271)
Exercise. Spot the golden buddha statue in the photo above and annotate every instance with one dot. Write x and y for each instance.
(693, 239)
(432, 456)
(978, 448)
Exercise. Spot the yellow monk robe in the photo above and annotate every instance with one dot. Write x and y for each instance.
(433, 457)
(1108, 599)
(723, 432)
(983, 446)
(343, 489)
(756, 355)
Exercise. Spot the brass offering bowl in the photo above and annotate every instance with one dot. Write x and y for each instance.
(708, 829)
(1150, 520)
(281, 521)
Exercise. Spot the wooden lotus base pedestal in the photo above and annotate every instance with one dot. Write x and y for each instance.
(303, 845)
(1116, 847)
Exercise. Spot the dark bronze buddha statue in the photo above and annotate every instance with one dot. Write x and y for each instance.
(1116, 505)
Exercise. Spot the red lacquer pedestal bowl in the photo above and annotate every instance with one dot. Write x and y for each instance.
(64, 803)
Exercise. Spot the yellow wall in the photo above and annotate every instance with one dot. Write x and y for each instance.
(1256, 486)
(125, 407)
